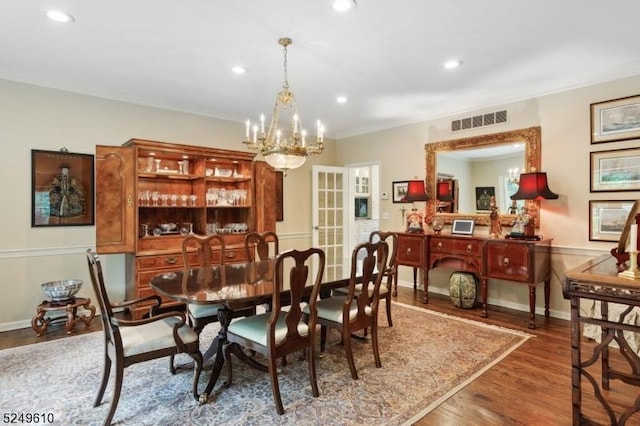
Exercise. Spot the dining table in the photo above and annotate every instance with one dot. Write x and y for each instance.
(231, 286)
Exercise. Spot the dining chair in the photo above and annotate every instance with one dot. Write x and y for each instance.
(258, 245)
(358, 309)
(210, 251)
(391, 238)
(280, 332)
(128, 342)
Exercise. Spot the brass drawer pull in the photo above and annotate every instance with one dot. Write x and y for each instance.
(409, 250)
(230, 254)
(172, 260)
(439, 244)
(469, 247)
(505, 261)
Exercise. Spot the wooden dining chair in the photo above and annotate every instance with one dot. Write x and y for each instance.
(391, 238)
(128, 342)
(358, 309)
(210, 251)
(280, 332)
(258, 245)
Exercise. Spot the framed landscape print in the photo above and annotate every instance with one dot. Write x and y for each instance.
(61, 189)
(399, 190)
(615, 170)
(607, 219)
(615, 120)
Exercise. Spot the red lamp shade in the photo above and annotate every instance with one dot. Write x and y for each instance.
(533, 186)
(444, 191)
(415, 191)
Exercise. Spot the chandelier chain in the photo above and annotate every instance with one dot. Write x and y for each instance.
(285, 84)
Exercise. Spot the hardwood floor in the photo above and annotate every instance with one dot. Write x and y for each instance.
(531, 386)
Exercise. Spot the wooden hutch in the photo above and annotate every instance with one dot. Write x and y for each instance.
(144, 184)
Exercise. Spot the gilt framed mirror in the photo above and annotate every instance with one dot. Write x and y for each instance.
(491, 152)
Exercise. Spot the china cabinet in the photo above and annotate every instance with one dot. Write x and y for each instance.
(150, 195)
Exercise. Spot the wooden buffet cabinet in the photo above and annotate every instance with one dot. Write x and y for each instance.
(129, 214)
(518, 261)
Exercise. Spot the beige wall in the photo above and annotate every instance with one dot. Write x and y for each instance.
(564, 118)
(38, 118)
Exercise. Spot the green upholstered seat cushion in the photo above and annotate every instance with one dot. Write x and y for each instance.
(202, 311)
(154, 336)
(254, 328)
(331, 308)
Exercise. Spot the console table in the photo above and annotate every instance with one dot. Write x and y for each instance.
(598, 280)
(519, 261)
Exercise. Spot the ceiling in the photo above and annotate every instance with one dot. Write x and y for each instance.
(386, 56)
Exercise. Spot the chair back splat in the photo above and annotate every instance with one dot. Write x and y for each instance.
(258, 245)
(280, 332)
(129, 342)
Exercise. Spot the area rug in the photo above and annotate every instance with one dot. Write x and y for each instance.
(426, 358)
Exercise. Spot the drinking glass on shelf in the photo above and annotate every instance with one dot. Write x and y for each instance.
(157, 164)
(181, 167)
(193, 199)
(174, 200)
(155, 195)
(165, 199)
(183, 199)
(143, 198)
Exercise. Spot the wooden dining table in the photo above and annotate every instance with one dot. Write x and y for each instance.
(230, 286)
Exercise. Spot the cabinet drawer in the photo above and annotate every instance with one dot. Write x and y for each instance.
(173, 260)
(410, 250)
(508, 261)
(467, 247)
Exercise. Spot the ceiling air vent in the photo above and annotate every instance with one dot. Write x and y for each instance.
(488, 119)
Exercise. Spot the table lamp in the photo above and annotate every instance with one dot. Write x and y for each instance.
(415, 192)
(534, 187)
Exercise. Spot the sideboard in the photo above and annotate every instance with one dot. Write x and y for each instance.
(525, 262)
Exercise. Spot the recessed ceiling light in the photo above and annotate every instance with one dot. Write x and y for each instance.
(343, 5)
(341, 99)
(58, 16)
(454, 63)
(238, 69)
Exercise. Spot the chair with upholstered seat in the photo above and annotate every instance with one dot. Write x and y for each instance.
(129, 342)
(210, 251)
(358, 309)
(258, 245)
(391, 238)
(280, 332)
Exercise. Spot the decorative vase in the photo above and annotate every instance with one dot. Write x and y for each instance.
(463, 289)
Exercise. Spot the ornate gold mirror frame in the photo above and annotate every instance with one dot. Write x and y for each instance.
(531, 137)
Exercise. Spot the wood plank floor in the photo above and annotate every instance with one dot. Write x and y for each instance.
(532, 386)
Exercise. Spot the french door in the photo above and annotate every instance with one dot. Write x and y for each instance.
(329, 210)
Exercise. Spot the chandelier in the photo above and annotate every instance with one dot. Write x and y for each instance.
(283, 147)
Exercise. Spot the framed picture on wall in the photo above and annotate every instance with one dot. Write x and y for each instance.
(399, 190)
(483, 197)
(615, 170)
(607, 219)
(61, 188)
(615, 120)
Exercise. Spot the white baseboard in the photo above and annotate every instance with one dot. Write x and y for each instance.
(510, 305)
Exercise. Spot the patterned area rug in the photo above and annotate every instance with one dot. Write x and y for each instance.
(426, 358)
